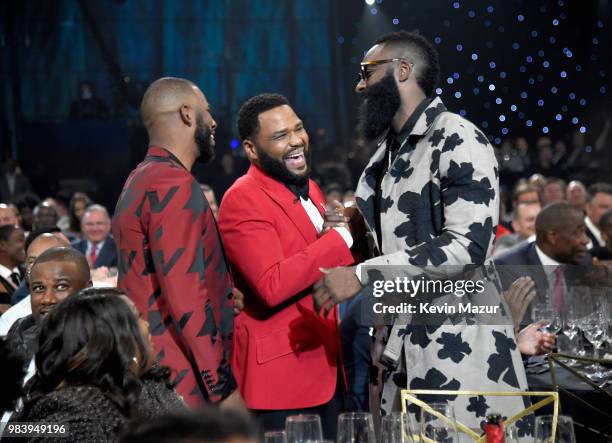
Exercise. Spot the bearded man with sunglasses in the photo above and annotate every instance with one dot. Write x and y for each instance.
(430, 198)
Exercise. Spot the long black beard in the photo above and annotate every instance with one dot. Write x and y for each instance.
(202, 138)
(278, 170)
(380, 104)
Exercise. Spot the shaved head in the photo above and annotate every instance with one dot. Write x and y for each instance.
(177, 117)
(41, 243)
(49, 239)
(557, 216)
(165, 96)
(67, 254)
(561, 233)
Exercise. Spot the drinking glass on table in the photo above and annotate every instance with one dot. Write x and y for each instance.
(548, 314)
(356, 427)
(571, 331)
(437, 429)
(302, 428)
(395, 428)
(595, 328)
(544, 428)
(275, 437)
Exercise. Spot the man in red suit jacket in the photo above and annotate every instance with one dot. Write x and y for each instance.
(277, 237)
(171, 261)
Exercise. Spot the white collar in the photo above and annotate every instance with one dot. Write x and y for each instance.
(99, 245)
(594, 230)
(6, 272)
(549, 264)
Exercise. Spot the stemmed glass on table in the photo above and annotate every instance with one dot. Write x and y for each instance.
(397, 428)
(436, 429)
(565, 429)
(594, 325)
(547, 313)
(356, 427)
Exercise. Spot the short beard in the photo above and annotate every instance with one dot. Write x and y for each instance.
(278, 170)
(380, 104)
(202, 138)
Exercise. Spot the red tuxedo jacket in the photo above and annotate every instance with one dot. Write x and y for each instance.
(285, 356)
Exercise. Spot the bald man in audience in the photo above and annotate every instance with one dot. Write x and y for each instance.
(57, 273)
(576, 195)
(171, 261)
(39, 245)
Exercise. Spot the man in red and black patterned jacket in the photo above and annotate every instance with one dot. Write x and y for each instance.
(171, 260)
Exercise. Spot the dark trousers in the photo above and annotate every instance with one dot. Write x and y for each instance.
(274, 420)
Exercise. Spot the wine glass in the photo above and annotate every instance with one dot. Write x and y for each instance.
(596, 330)
(303, 427)
(356, 427)
(275, 437)
(571, 330)
(436, 429)
(548, 314)
(395, 428)
(565, 429)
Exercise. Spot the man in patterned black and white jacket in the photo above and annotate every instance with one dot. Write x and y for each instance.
(430, 198)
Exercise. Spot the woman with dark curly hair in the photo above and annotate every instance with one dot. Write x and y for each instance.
(96, 369)
(78, 204)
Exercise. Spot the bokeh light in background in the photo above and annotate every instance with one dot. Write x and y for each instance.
(520, 68)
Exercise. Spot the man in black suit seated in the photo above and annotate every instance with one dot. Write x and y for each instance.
(97, 245)
(561, 241)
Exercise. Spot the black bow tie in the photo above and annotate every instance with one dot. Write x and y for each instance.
(300, 191)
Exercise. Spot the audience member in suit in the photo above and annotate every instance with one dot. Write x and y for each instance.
(560, 241)
(600, 201)
(12, 181)
(97, 244)
(605, 225)
(12, 257)
(58, 273)
(20, 300)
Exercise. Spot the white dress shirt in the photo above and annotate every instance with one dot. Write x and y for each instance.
(98, 248)
(317, 220)
(595, 231)
(550, 266)
(6, 274)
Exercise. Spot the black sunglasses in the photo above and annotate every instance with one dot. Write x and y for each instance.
(364, 74)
